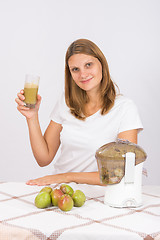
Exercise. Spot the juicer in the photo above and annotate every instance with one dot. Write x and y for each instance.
(120, 165)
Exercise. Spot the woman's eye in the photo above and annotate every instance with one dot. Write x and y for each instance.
(74, 69)
(89, 64)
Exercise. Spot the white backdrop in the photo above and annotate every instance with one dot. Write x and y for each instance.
(34, 37)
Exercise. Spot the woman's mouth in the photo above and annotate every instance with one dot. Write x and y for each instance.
(86, 81)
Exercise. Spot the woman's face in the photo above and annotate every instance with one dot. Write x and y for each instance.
(86, 71)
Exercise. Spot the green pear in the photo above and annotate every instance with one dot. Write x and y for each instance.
(79, 198)
(43, 200)
(65, 203)
(66, 189)
(46, 189)
(55, 196)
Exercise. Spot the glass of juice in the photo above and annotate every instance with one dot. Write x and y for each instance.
(30, 90)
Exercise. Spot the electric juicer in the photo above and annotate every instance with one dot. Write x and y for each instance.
(120, 167)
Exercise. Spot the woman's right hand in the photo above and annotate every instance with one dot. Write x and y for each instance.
(25, 111)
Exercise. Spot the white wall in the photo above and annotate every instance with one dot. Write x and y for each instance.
(33, 39)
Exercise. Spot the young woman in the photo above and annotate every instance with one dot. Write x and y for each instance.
(89, 115)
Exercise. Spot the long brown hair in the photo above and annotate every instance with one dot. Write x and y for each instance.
(75, 97)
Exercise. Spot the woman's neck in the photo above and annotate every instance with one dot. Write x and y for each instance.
(93, 105)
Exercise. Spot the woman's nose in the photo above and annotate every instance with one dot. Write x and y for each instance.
(83, 73)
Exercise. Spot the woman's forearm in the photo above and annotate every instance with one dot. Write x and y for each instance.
(38, 143)
(84, 177)
(77, 177)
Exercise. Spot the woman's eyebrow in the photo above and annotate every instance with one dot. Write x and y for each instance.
(74, 66)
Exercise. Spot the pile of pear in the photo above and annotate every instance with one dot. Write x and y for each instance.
(64, 198)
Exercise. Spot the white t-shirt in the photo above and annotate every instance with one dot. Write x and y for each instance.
(80, 139)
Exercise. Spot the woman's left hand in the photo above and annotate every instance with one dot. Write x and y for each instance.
(49, 179)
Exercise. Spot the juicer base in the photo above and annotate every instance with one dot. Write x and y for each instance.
(125, 204)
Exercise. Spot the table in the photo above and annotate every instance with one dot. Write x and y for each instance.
(20, 219)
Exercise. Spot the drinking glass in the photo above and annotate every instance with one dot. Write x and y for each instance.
(30, 90)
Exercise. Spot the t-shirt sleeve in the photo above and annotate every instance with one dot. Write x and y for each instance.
(56, 114)
(130, 117)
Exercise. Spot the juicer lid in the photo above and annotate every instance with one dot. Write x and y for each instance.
(117, 151)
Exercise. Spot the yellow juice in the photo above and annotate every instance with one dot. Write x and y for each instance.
(30, 93)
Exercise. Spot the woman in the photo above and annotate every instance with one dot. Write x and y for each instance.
(89, 115)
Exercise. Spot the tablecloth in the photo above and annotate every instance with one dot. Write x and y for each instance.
(21, 220)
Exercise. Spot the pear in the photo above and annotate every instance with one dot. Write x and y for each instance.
(55, 195)
(79, 198)
(119, 172)
(43, 200)
(66, 189)
(65, 203)
(46, 189)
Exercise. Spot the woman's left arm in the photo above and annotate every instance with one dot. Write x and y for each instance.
(81, 177)
(77, 177)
